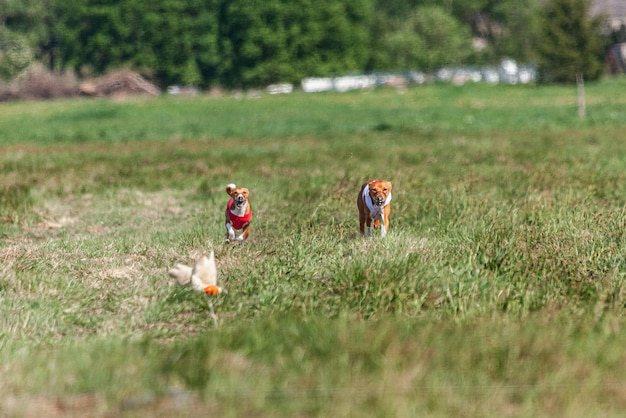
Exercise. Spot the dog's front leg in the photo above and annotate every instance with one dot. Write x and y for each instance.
(385, 220)
(368, 228)
(230, 232)
(364, 226)
(383, 225)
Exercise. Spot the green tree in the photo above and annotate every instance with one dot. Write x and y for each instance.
(270, 41)
(238, 43)
(93, 35)
(504, 25)
(24, 34)
(429, 37)
(516, 20)
(569, 42)
(180, 40)
(173, 41)
(16, 53)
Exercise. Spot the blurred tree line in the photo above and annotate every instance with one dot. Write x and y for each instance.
(247, 43)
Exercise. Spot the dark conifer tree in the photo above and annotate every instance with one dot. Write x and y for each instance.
(569, 42)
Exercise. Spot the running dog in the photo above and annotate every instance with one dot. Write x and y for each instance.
(238, 214)
(374, 205)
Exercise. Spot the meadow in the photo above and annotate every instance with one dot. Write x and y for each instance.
(499, 290)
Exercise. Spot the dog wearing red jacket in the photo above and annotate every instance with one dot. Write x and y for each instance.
(374, 205)
(238, 214)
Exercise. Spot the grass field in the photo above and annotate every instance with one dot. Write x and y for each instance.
(499, 291)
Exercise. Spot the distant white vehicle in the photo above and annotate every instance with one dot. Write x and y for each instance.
(317, 84)
(282, 88)
(508, 71)
(355, 82)
(527, 74)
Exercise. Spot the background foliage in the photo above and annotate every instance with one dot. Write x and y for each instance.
(570, 44)
(249, 43)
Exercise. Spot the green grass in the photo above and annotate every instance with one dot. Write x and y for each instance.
(429, 111)
(499, 290)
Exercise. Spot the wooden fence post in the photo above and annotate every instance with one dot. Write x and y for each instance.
(580, 84)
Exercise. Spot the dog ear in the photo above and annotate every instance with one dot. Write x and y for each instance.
(230, 188)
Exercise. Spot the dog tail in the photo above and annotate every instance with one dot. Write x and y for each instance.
(230, 188)
(377, 223)
(181, 273)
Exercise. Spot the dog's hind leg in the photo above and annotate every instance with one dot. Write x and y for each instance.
(362, 224)
(245, 233)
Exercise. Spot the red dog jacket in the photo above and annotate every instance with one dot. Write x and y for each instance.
(238, 221)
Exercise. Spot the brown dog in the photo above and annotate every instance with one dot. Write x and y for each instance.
(374, 205)
(238, 214)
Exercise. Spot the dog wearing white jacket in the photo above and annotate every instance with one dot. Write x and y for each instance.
(374, 204)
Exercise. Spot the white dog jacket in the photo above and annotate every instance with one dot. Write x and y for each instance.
(375, 211)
